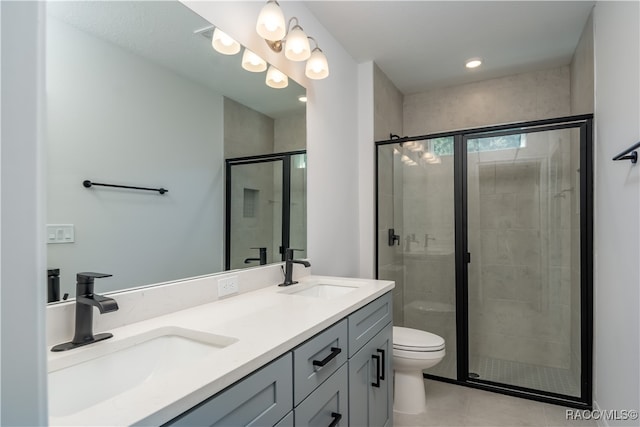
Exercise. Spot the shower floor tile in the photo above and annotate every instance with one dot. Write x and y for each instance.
(542, 378)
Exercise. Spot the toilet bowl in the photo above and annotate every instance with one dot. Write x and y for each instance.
(413, 351)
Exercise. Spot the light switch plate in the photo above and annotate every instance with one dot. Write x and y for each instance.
(228, 286)
(60, 233)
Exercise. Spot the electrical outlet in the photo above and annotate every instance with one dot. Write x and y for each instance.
(228, 286)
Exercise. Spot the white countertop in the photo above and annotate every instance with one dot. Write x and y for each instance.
(266, 323)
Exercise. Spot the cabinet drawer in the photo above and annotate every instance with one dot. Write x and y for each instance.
(328, 404)
(263, 398)
(315, 360)
(365, 323)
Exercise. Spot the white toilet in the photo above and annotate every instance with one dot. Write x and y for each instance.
(413, 351)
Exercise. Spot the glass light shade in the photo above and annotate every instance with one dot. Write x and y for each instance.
(271, 24)
(224, 44)
(317, 66)
(296, 46)
(276, 79)
(252, 62)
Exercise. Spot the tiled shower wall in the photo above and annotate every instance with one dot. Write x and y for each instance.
(519, 281)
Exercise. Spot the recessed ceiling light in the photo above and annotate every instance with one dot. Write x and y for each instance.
(473, 63)
(302, 98)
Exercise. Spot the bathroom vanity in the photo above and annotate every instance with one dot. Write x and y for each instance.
(316, 352)
(345, 366)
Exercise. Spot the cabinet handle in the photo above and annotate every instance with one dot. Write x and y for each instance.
(336, 419)
(377, 359)
(383, 363)
(334, 352)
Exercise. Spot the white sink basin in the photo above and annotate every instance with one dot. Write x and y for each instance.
(321, 290)
(86, 378)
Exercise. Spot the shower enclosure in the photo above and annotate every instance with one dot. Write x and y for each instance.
(265, 208)
(487, 234)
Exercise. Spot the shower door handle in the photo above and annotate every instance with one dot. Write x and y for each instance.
(393, 238)
(467, 258)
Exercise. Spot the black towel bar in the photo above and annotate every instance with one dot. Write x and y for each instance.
(629, 154)
(89, 184)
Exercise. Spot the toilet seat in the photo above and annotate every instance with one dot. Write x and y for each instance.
(414, 340)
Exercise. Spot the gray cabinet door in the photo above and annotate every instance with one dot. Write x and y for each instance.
(371, 382)
(261, 399)
(328, 404)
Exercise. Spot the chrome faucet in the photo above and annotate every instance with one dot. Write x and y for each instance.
(85, 301)
(288, 263)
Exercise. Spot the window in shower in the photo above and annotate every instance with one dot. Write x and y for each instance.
(494, 252)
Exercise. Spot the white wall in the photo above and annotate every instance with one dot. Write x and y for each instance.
(107, 122)
(617, 207)
(366, 165)
(22, 275)
(332, 132)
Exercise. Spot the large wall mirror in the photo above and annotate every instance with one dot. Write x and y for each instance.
(137, 96)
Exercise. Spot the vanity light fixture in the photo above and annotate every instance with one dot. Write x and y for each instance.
(473, 63)
(302, 98)
(223, 43)
(252, 62)
(272, 28)
(271, 24)
(276, 78)
(317, 67)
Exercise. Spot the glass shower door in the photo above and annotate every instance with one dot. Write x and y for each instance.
(415, 191)
(524, 284)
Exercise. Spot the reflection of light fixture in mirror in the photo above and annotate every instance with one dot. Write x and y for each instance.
(223, 43)
(276, 79)
(271, 23)
(407, 160)
(271, 27)
(414, 146)
(302, 98)
(252, 62)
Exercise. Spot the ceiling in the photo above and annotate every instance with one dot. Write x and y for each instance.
(422, 45)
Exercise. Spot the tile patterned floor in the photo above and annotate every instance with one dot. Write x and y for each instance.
(450, 405)
(525, 375)
(515, 373)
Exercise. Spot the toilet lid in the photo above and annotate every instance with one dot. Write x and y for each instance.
(409, 339)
